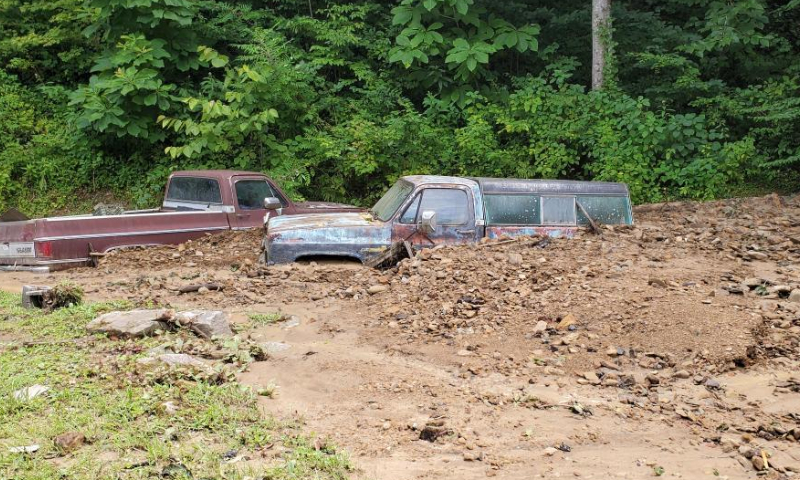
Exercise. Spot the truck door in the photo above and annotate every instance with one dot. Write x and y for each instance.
(455, 217)
(249, 194)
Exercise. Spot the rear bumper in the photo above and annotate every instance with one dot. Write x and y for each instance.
(40, 265)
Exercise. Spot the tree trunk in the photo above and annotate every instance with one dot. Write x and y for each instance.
(601, 30)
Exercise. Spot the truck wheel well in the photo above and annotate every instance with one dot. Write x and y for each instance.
(328, 258)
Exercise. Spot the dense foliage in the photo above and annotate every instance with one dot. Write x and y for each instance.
(336, 99)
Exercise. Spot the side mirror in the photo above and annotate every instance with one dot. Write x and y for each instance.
(272, 203)
(428, 221)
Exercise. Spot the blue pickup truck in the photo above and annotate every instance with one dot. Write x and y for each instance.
(425, 210)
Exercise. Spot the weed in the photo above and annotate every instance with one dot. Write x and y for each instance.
(134, 429)
(266, 318)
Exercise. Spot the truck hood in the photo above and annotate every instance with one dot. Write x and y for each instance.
(322, 206)
(314, 221)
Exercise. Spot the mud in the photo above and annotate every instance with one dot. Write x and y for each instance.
(671, 346)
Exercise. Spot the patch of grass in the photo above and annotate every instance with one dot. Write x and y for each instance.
(269, 391)
(266, 318)
(134, 428)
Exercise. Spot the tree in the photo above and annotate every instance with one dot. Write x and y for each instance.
(601, 34)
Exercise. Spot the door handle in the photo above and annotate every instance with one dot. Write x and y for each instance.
(465, 231)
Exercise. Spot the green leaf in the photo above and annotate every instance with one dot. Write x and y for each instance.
(402, 15)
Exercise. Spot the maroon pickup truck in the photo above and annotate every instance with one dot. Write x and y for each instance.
(195, 203)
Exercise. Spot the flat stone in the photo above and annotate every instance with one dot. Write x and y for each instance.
(206, 323)
(550, 451)
(752, 282)
(540, 327)
(591, 377)
(377, 289)
(682, 374)
(130, 324)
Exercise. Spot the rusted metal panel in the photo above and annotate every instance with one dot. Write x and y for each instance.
(497, 186)
(495, 232)
(355, 235)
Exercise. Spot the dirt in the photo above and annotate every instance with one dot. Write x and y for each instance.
(669, 348)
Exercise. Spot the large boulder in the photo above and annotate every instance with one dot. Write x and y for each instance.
(131, 324)
(206, 323)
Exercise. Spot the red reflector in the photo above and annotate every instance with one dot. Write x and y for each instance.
(44, 249)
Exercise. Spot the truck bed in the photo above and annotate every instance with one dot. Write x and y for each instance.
(61, 242)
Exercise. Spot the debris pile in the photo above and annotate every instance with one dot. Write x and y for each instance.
(235, 249)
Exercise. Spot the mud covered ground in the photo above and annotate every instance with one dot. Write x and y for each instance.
(665, 349)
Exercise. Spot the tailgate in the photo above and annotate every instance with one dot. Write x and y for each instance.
(16, 239)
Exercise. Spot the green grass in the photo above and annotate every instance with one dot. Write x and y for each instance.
(265, 318)
(98, 388)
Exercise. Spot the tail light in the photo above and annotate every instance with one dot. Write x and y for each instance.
(44, 249)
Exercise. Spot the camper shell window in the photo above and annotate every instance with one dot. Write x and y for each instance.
(512, 210)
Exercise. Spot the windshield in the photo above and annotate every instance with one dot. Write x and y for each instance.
(391, 200)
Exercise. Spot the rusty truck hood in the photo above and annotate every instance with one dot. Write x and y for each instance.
(344, 234)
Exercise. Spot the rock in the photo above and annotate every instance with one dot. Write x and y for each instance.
(433, 430)
(681, 374)
(591, 377)
(626, 381)
(131, 324)
(464, 353)
(24, 449)
(652, 379)
(69, 441)
(752, 282)
(657, 282)
(747, 452)
(181, 359)
(29, 393)
(33, 296)
(541, 327)
(752, 254)
(610, 382)
(758, 463)
(170, 408)
(515, 259)
(550, 451)
(372, 290)
(471, 456)
(712, 384)
(613, 351)
(206, 323)
(794, 296)
(567, 321)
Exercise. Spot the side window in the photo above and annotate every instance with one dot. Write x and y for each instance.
(250, 194)
(558, 211)
(512, 209)
(195, 190)
(451, 205)
(410, 215)
(608, 210)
